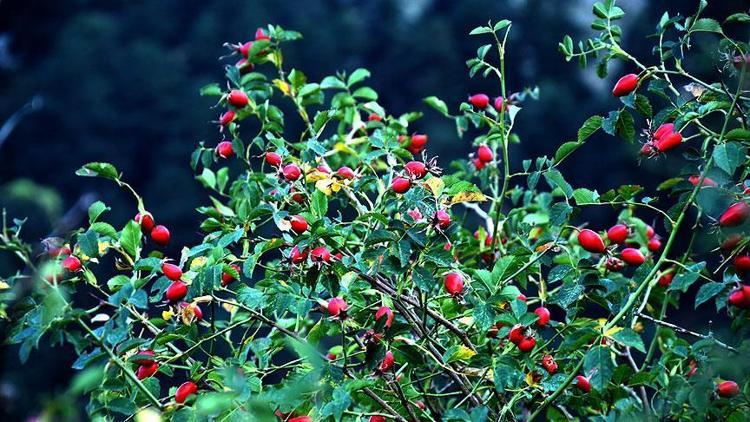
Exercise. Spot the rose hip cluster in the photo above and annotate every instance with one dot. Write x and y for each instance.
(617, 236)
(663, 138)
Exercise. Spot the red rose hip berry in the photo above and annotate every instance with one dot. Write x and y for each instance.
(299, 224)
(273, 158)
(224, 149)
(171, 271)
(632, 256)
(184, 391)
(735, 215)
(618, 233)
(160, 235)
(453, 283)
(337, 307)
(176, 291)
(625, 85)
(416, 169)
(71, 264)
(727, 389)
(146, 220)
(479, 100)
(591, 241)
(237, 98)
(291, 172)
(544, 316)
(484, 153)
(400, 185)
(583, 384)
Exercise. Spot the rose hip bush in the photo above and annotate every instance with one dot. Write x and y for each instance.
(342, 275)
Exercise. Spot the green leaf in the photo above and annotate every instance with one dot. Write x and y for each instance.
(568, 293)
(250, 297)
(341, 400)
(332, 82)
(629, 338)
(484, 315)
(728, 156)
(438, 105)
(559, 213)
(89, 243)
(500, 25)
(556, 180)
(598, 363)
(481, 30)
(685, 279)
(738, 134)
(564, 150)
(590, 126)
(212, 89)
(95, 210)
(357, 76)
(130, 238)
(319, 204)
(707, 291)
(626, 126)
(738, 17)
(585, 196)
(706, 25)
(366, 93)
(104, 170)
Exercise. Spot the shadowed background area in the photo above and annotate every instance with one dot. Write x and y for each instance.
(118, 81)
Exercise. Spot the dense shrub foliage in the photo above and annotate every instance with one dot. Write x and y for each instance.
(342, 275)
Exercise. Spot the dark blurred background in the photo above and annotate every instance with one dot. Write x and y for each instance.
(118, 80)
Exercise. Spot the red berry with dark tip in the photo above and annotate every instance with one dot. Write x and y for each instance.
(484, 153)
(625, 85)
(387, 362)
(654, 244)
(742, 262)
(171, 271)
(499, 104)
(337, 307)
(727, 389)
(516, 334)
(583, 383)
(544, 316)
(549, 364)
(237, 98)
(224, 149)
(146, 220)
(735, 215)
(666, 279)
(454, 283)
(400, 184)
(227, 117)
(442, 219)
(291, 172)
(527, 344)
(320, 255)
(416, 169)
(386, 312)
(663, 130)
(72, 264)
(591, 241)
(297, 256)
(146, 371)
(184, 391)
(707, 181)
(273, 158)
(669, 141)
(176, 291)
(346, 173)
(632, 256)
(160, 235)
(299, 224)
(618, 233)
(479, 100)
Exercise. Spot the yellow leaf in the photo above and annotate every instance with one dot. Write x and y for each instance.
(464, 353)
(612, 331)
(316, 175)
(530, 379)
(198, 262)
(324, 186)
(282, 86)
(468, 197)
(342, 147)
(638, 327)
(3, 285)
(167, 315)
(103, 246)
(435, 185)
